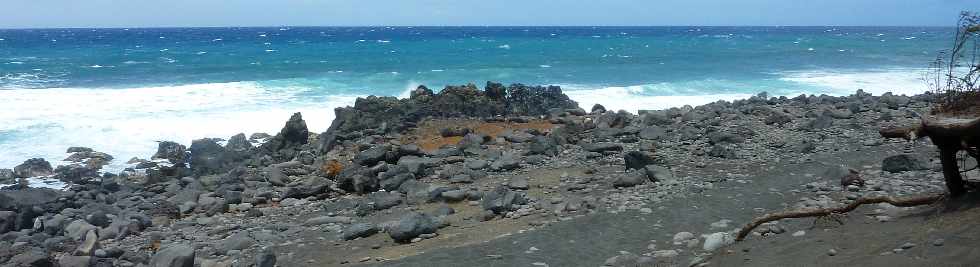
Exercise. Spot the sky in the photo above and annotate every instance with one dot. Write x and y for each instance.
(188, 13)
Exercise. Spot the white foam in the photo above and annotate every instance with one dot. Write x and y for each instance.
(876, 82)
(635, 98)
(43, 182)
(126, 122)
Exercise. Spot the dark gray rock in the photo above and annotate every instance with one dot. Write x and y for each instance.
(904, 162)
(630, 179)
(778, 118)
(454, 131)
(653, 133)
(411, 226)
(6, 176)
(602, 147)
(171, 151)
(656, 117)
(506, 162)
(516, 136)
(385, 200)
(238, 143)
(454, 195)
(824, 121)
(33, 168)
(658, 173)
(7, 219)
(371, 156)
(359, 230)
(443, 211)
(637, 160)
(292, 136)
(75, 261)
(502, 200)
(541, 145)
(208, 157)
(419, 192)
(598, 109)
(174, 256)
(721, 137)
(75, 173)
(33, 257)
(77, 149)
(613, 120)
(267, 258)
(518, 182)
(309, 187)
(477, 164)
(722, 151)
(237, 241)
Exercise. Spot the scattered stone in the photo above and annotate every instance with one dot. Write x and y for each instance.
(717, 240)
(518, 183)
(174, 256)
(411, 226)
(360, 230)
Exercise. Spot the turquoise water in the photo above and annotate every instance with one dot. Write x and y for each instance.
(118, 90)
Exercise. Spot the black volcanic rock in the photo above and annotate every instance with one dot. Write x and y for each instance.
(208, 157)
(294, 134)
(33, 168)
(379, 115)
(171, 151)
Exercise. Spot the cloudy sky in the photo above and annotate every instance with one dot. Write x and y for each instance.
(167, 13)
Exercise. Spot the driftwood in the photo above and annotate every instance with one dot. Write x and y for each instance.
(951, 135)
(899, 202)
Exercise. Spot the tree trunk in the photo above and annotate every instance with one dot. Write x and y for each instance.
(951, 171)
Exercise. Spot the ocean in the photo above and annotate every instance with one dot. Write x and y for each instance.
(120, 90)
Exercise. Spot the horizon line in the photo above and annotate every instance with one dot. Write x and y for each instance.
(465, 26)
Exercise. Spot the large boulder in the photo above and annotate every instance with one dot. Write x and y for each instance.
(171, 151)
(238, 143)
(637, 160)
(542, 145)
(208, 157)
(630, 179)
(371, 156)
(411, 226)
(502, 199)
(293, 134)
(7, 220)
(904, 162)
(359, 230)
(174, 256)
(33, 168)
(29, 203)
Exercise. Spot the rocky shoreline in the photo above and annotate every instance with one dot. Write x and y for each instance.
(392, 179)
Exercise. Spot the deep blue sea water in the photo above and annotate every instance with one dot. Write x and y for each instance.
(119, 90)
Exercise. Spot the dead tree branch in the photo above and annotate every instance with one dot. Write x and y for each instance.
(899, 202)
